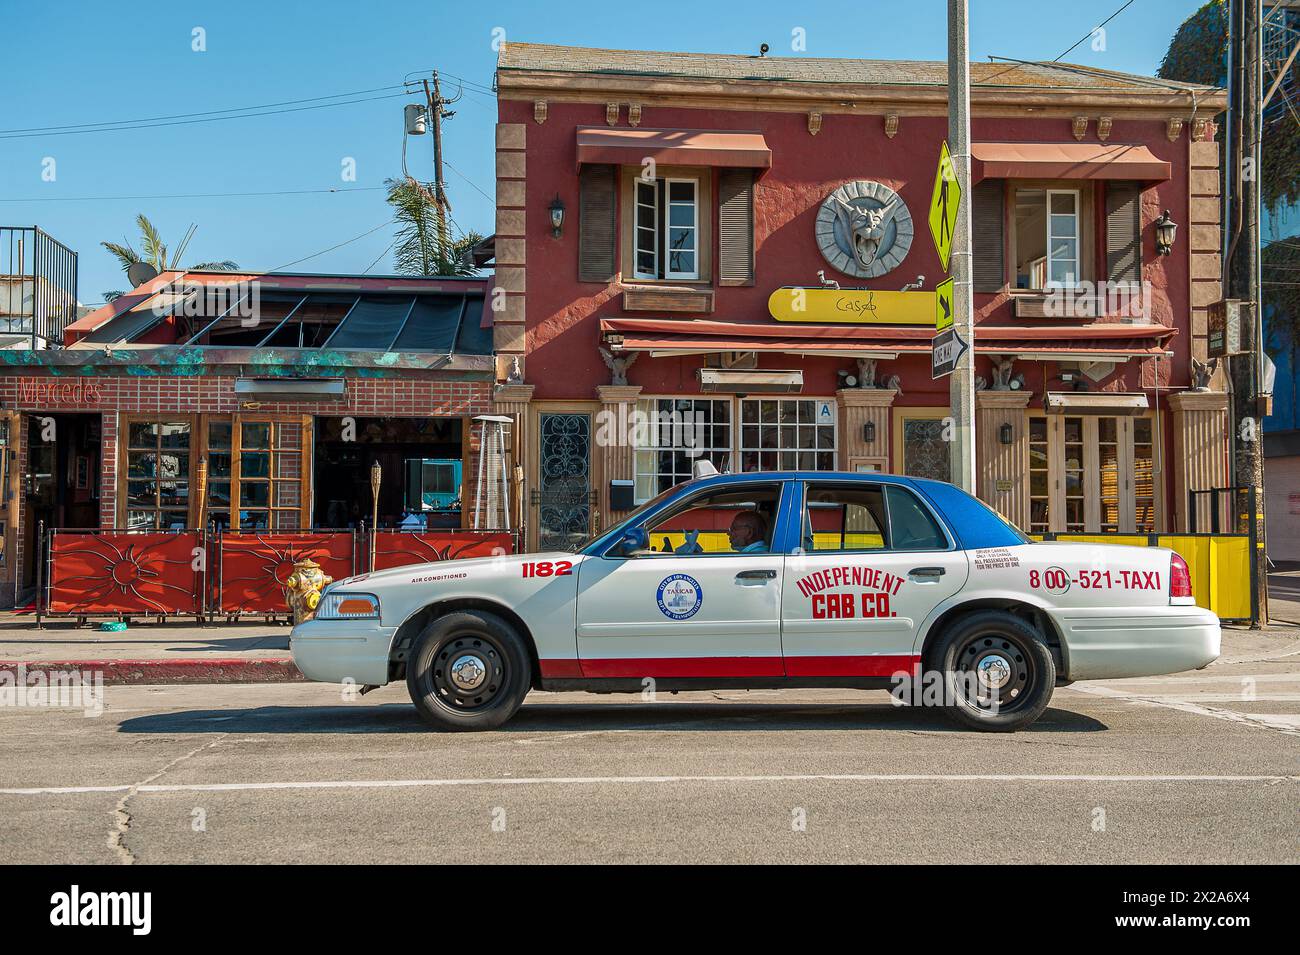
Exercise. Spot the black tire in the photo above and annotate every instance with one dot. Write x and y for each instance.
(493, 678)
(998, 675)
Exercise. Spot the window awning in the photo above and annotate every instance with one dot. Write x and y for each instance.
(1111, 341)
(1066, 161)
(675, 147)
(1094, 402)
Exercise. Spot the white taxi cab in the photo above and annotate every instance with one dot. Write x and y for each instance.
(774, 579)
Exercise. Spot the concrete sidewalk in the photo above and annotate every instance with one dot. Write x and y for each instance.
(151, 652)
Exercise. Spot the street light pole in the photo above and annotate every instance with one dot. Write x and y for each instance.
(962, 383)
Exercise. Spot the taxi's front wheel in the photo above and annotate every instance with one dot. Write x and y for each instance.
(468, 670)
(998, 674)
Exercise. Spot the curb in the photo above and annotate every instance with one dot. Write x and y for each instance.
(128, 672)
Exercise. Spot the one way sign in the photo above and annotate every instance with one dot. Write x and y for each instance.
(945, 351)
(943, 305)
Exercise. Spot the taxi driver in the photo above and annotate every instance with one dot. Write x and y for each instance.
(747, 534)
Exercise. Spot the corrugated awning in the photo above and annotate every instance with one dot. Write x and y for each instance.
(1066, 161)
(678, 147)
(1096, 342)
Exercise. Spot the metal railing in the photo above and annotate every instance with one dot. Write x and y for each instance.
(38, 285)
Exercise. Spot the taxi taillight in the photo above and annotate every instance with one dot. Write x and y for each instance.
(1180, 579)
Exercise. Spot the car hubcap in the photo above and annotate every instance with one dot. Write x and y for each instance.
(996, 673)
(467, 673)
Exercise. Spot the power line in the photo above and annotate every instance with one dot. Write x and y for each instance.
(210, 112)
(210, 119)
(1128, 4)
(340, 245)
(194, 195)
(468, 180)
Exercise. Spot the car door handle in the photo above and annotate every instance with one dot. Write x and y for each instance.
(756, 575)
(923, 573)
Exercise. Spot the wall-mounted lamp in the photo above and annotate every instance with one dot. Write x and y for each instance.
(1166, 230)
(869, 432)
(1006, 433)
(557, 216)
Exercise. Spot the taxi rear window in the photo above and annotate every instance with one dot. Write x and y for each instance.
(974, 522)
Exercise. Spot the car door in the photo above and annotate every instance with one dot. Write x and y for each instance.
(874, 561)
(715, 613)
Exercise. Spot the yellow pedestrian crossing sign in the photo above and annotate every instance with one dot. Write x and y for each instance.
(943, 305)
(943, 205)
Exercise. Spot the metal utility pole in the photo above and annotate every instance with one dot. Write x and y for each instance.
(1242, 274)
(962, 383)
(436, 115)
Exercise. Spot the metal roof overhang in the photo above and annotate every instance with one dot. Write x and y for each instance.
(1094, 402)
(1066, 161)
(677, 147)
(1109, 341)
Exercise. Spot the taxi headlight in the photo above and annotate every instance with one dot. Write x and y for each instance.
(348, 607)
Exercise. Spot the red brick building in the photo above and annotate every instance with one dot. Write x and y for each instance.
(289, 400)
(730, 237)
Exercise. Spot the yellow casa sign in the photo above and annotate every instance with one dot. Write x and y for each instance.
(852, 306)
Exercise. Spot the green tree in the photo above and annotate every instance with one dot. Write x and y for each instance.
(419, 248)
(154, 252)
(1198, 53)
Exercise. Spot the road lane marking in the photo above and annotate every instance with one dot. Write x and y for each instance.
(644, 780)
(1185, 706)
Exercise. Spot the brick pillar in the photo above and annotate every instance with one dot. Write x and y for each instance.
(614, 438)
(858, 407)
(1200, 451)
(1002, 470)
(108, 469)
(513, 400)
(506, 298)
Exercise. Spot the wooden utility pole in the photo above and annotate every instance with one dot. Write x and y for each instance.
(436, 115)
(1242, 274)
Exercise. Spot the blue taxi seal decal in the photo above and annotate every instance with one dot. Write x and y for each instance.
(680, 596)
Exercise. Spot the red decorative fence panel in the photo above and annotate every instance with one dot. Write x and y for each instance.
(252, 567)
(124, 572)
(399, 548)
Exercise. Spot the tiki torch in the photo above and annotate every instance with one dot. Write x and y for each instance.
(376, 472)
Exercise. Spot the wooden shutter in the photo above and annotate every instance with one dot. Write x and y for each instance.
(988, 242)
(1124, 232)
(736, 227)
(596, 226)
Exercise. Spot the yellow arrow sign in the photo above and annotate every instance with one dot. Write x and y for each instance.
(943, 305)
(943, 205)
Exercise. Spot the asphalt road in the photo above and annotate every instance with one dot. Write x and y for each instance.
(1198, 767)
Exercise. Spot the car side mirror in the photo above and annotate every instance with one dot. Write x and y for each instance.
(634, 539)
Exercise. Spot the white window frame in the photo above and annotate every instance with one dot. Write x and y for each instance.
(1074, 194)
(644, 453)
(694, 206)
(637, 228)
(744, 449)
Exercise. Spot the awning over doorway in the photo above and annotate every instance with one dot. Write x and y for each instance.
(1066, 161)
(1099, 341)
(1094, 402)
(678, 147)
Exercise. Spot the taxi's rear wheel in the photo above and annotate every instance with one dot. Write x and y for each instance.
(468, 670)
(998, 674)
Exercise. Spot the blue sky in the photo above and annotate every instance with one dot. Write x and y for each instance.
(86, 62)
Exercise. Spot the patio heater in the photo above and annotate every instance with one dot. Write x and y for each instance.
(492, 495)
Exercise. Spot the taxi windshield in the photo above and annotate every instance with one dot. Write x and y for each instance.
(616, 529)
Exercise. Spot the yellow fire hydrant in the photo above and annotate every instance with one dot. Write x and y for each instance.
(302, 589)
